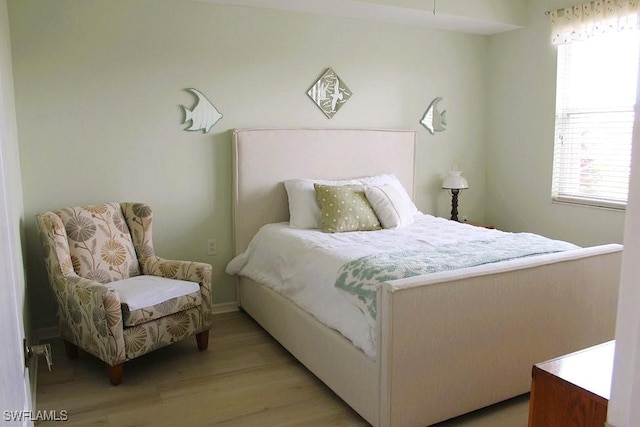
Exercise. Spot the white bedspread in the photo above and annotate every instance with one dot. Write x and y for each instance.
(302, 265)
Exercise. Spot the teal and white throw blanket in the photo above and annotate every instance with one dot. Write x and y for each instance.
(360, 277)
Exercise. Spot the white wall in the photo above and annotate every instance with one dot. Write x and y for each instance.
(14, 377)
(522, 73)
(521, 101)
(98, 86)
(11, 159)
(625, 391)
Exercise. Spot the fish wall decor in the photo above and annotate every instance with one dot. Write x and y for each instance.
(203, 115)
(434, 120)
(329, 93)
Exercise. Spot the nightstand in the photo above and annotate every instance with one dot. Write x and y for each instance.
(477, 224)
(572, 389)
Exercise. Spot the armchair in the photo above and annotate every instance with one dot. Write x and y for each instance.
(116, 299)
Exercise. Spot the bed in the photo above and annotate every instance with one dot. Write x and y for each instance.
(447, 343)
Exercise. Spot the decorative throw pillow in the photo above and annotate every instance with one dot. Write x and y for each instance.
(304, 211)
(100, 229)
(389, 206)
(345, 208)
(392, 180)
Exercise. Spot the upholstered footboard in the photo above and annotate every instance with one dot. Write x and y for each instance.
(457, 341)
(453, 342)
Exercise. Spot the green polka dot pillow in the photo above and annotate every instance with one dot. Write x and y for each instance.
(345, 208)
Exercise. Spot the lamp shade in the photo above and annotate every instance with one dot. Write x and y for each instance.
(455, 181)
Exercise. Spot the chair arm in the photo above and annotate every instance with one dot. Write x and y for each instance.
(92, 315)
(198, 272)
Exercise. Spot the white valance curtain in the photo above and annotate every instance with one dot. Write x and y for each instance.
(592, 19)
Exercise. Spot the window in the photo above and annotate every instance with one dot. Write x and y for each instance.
(595, 101)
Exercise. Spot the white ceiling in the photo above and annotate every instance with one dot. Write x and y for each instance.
(366, 9)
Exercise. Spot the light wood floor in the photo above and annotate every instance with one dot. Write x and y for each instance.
(245, 378)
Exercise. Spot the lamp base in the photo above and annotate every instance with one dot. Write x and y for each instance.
(454, 205)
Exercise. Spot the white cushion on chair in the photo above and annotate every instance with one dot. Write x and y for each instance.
(145, 291)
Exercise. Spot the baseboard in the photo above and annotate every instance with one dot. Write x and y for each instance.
(51, 332)
(47, 333)
(225, 307)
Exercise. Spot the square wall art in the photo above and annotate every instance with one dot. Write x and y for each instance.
(329, 93)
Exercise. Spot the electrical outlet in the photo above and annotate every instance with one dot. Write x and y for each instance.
(212, 247)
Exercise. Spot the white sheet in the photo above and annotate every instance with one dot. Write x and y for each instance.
(146, 291)
(302, 265)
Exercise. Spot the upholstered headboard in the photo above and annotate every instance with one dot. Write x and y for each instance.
(264, 158)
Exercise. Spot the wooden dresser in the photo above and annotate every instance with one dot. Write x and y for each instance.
(572, 390)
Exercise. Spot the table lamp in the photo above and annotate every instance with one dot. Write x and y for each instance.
(454, 182)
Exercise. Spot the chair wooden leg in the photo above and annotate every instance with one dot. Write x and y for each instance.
(115, 374)
(203, 340)
(71, 349)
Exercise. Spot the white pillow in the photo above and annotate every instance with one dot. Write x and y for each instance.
(390, 179)
(388, 204)
(304, 211)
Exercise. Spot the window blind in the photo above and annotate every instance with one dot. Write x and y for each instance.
(595, 101)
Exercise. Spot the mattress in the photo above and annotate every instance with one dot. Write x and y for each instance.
(303, 265)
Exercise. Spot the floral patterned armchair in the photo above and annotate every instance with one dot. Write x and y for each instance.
(116, 299)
